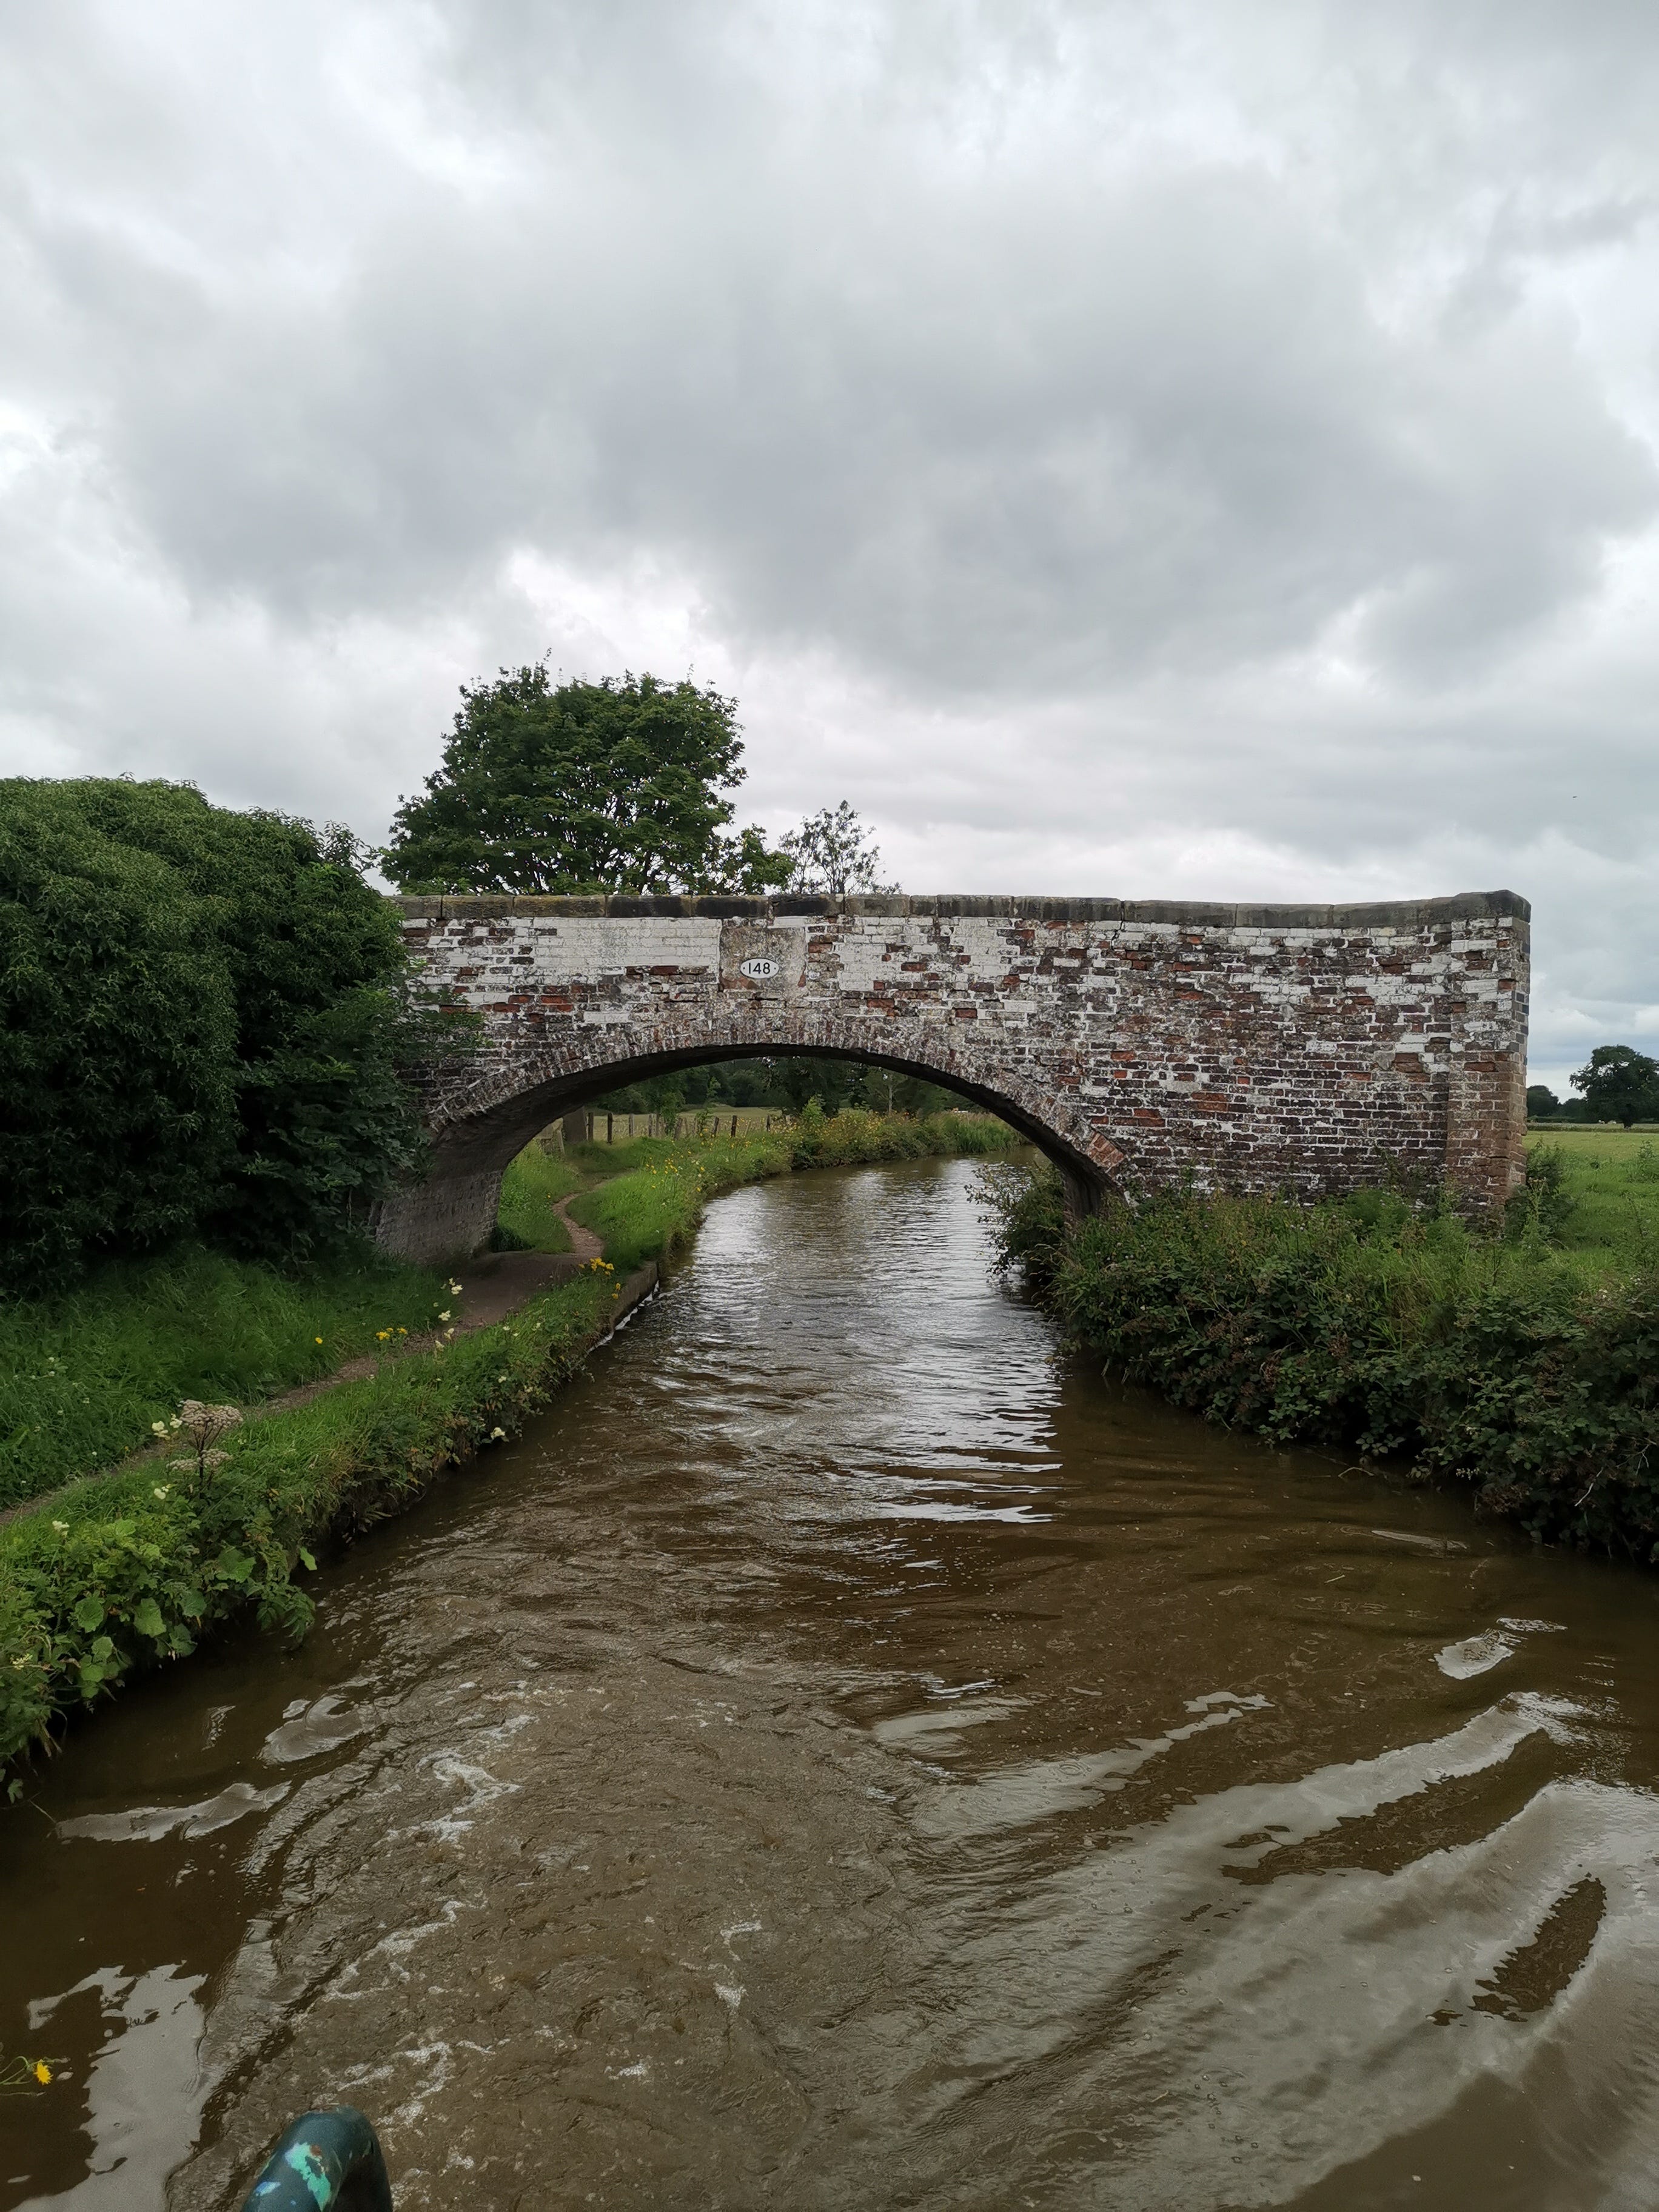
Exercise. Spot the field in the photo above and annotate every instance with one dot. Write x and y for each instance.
(1612, 1177)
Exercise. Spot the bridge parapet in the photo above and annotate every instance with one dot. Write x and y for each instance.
(1316, 1048)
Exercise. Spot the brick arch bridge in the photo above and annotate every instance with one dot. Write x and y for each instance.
(1249, 1047)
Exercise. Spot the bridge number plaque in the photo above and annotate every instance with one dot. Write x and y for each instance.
(763, 959)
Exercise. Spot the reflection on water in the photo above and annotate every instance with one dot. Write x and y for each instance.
(844, 1758)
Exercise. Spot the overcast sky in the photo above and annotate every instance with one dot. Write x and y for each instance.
(1143, 450)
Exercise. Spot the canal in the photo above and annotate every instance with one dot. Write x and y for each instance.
(846, 1756)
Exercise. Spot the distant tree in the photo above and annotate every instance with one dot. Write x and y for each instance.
(583, 787)
(833, 855)
(1542, 1104)
(1619, 1084)
(786, 1082)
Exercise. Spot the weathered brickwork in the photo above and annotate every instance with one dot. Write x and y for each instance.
(1250, 1047)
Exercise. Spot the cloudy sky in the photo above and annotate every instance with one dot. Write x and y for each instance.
(1135, 447)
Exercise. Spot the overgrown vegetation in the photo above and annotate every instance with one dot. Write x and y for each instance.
(130, 1569)
(1505, 1360)
(83, 1376)
(205, 1029)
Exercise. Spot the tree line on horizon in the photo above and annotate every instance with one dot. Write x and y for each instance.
(1616, 1083)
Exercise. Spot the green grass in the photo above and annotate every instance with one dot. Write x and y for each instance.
(655, 1206)
(130, 1569)
(83, 1377)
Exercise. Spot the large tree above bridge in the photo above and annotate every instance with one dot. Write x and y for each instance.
(583, 788)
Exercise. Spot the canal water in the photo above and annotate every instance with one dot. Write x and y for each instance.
(846, 1756)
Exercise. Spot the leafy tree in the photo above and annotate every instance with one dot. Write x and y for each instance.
(118, 1026)
(583, 787)
(1619, 1084)
(833, 855)
(207, 1025)
(1542, 1104)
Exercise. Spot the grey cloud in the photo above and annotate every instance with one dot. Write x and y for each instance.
(1114, 420)
(973, 429)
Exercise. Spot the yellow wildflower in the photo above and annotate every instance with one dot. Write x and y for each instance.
(319, 1339)
(42, 2072)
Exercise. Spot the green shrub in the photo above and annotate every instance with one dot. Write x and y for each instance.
(117, 1043)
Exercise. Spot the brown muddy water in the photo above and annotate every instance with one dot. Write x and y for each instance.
(843, 1757)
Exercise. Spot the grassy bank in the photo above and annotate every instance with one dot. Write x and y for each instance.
(643, 1198)
(130, 1569)
(83, 1377)
(532, 1186)
(1525, 1367)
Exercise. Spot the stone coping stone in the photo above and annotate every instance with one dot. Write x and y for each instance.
(1387, 914)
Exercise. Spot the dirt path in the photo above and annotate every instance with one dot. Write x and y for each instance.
(584, 1244)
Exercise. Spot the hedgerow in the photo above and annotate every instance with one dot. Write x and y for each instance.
(1403, 1332)
(204, 1029)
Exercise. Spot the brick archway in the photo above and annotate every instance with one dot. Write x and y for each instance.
(1251, 1046)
